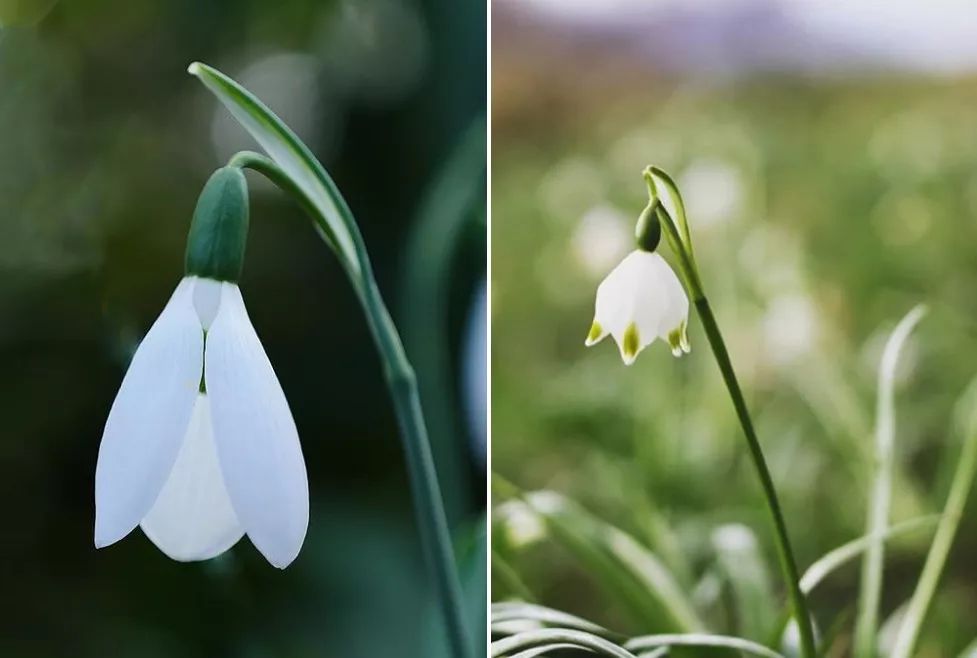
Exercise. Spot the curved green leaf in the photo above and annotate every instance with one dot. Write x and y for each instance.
(452, 206)
(742, 565)
(510, 612)
(295, 159)
(866, 624)
(556, 636)
(963, 480)
(630, 572)
(545, 649)
(834, 559)
(701, 640)
(654, 653)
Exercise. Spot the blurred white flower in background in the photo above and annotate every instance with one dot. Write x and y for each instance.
(601, 239)
(901, 219)
(290, 84)
(772, 255)
(734, 538)
(909, 146)
(713, 191)
(571, 187)
(375, 50)
(522, 523)
(790, 328)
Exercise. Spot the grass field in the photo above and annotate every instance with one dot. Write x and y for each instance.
(821, 213)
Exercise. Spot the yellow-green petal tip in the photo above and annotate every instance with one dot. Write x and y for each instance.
(595, 335)
(630, 344)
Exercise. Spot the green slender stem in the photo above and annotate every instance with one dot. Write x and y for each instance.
(402, 383)
(681, 243)
(680, 240)
(785, 553)
(428, 504)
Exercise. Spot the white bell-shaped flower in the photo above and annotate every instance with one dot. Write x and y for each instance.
(200, 447)
(639, 301)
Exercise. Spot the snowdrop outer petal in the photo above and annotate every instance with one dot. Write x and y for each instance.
(613, 304)
(257, 443)
(652, 298)
(192, 518)
(617, 307)
(148, 419)
(675, 317)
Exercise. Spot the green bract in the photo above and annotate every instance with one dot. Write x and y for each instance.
(219, 232)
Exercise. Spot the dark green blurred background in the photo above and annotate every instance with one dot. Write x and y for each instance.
(825, 200)
(105, 142)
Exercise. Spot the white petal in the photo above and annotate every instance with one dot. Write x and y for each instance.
(652, 297)
(631, 303)
(192, 519)
(148, 419)
(676, 310)
(206, 300)
(614, 308)
(257, 443)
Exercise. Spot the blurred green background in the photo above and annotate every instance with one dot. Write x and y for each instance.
(105, 143)
(823, 206)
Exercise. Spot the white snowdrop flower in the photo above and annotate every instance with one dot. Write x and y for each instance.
(200, 447)
(639, 301)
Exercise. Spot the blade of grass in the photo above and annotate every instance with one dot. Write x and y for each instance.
(543, 650)
(654, 653)
(448, 214)
(866, 623)
(548, 616)
(742, 564)
(960, 487)
(550, 637)
(509, 577)
(616, 561)
(619, 564)
(836, 558)
(701, 640)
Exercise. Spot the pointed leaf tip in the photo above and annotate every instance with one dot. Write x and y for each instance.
(305, 176)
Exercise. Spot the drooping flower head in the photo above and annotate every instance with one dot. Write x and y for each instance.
(200, 447)
(642, 299)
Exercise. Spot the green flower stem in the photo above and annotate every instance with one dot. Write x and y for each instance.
(680, 241)
(402, 383)
(788, 563)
